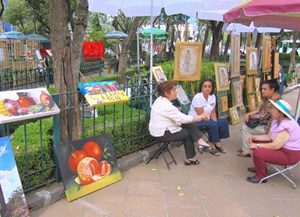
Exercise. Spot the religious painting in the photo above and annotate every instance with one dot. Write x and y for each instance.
(222, 77)
(266, 57)
(234, 115)
(182, 97)
(249, 84)
(257, 84)
(188, 59)
(237, 93)
(12, 197)
(87, 165)
(235, 55)
(159, 74)
(258, 98)
(276, 66)
(251, 61)
(224, 103)
(251, 102)
(242, 78)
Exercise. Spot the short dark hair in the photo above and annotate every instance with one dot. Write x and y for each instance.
(273, 84)
(212, 85)
(165, 87)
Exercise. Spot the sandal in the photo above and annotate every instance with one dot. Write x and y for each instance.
(191, 162)
(221, 149)
(240, 150)
(210, 150)
(214, 152)
(243, 154)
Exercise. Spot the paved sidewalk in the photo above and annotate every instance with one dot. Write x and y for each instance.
(216, 187)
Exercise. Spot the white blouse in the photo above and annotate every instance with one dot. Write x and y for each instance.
(200, 102)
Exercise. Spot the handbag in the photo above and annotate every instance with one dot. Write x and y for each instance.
(253, 122)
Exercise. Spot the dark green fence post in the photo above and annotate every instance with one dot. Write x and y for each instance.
(56, 136)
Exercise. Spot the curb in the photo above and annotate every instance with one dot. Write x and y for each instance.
(48, 195)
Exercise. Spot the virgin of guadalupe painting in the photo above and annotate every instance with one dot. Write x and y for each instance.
(235, 55)
(266, 61)
(251, 61)
(221, 77)
(237, 93)
(188, 58)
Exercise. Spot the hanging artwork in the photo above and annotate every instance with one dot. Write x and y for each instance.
(12, 197)
(258, 98)
(251, 61)
(188, 58)
(276, 66)
(159, 74)
(87, 165)
(251, 102)
(242, 78)
(224, 103)
(250, 84)
(257, 84)
(234, 115)
(237, 93)
(266, 54)
(222, 77)
(235, 55)
(182, 97)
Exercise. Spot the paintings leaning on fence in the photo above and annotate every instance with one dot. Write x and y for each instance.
(188, 58)
(102, 93)
(224, 103)
(182, 97)
(251, 61)
(235, 55)
(234, 115)
(4, 57)
(159, 74)
(222, 77)
(87, 165)
(237, 93)
(12, 198)
(266, 57)
(26, 104)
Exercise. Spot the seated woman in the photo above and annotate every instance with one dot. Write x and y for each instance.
(168, 124)
(263, 113)
(283, 147)
(205, 101)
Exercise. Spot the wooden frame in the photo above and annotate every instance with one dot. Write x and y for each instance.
(234, 115)
(182, 97)
(159, 74)
(235, 55)
(222, 78)
(251, 61)
(237, 93)
(242, 78)
(4, 56)
(188, 59)
(276, 66)
(251, 102)
(266, 57)
(258, 98)
(257, 84)
(250, 84)
(224, 103)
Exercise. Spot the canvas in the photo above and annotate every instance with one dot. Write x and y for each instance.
(159, 74)
(250, 84)
(222, 77)
(224, 103)
(266, 57)
(258, 98)
(182, 97)
(257, 84)
(237, 93)
(251, 102)
(188, 59)
(87, 165)
(26, 104)
(234, 115)
(12, 198)
(235, 55)
(251, 61)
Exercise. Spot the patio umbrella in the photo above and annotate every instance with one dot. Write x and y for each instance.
(37, 37)
(237, 27)
(13, 35)
(158, 34)
(268, 13)
(115, 35)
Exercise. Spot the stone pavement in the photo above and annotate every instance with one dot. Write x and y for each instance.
(216, 187)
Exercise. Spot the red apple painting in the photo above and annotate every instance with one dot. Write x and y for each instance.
(26, 104)
(87, 165)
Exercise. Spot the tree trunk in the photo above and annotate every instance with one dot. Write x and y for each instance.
(66, 61)
(217, 34)
(294, 47)
(227, 43)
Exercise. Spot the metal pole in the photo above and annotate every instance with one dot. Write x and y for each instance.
(138, 50)
(151, 54)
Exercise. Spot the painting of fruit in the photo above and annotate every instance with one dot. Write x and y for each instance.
(26, 104)
(87, 165)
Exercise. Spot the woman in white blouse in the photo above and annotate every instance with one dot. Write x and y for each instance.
(168, 124)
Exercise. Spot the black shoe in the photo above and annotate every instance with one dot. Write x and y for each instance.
(253, 179)
(251, 169)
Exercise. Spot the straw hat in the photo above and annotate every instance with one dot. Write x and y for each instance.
(284, 107)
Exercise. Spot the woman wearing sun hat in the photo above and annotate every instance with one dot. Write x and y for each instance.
(281, 146)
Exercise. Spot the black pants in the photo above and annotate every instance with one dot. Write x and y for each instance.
(188, 135)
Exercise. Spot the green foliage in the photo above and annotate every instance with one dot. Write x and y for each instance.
(39, 154)
(114, 77)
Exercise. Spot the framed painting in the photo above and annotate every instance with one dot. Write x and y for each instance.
(222, 77)
(266, 57)
(242, 78)
(258, 98)
(159, 74)
(249, 84)
(237, 93)
(276, 66)
(234, 115)
(188, 59)
(251, 61)
(235, 55)
(182, 97)
(224, 103)
(251, 102)
(243, 109)
(257, 84)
